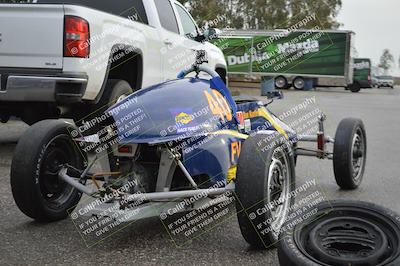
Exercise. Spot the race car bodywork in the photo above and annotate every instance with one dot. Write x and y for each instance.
(174, 141)
(211, 135)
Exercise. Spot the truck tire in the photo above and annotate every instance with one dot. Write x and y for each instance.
(355, 87)
(115, 91)
(36, 188)
(281, 82)
(342, 232)
(299, 83)
(265, 175)
(349, 153)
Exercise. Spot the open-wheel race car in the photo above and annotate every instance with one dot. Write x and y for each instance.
(173, 141)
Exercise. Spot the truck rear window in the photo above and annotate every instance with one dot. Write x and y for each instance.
(131, 9)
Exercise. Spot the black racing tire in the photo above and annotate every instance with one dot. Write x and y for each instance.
(115, 91)
(342, 232)
(36, 188)
(299, 83)
(251, 188)
(349, 153)
(281, 83)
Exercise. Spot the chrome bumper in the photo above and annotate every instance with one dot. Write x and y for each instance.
(20, 88)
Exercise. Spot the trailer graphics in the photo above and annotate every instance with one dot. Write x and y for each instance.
(302, 58)
(299, 52)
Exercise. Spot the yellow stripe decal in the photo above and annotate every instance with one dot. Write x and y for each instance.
(230, 132)
(266, 115)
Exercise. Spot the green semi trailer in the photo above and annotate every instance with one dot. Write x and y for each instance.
(362, 72)
(301, 58)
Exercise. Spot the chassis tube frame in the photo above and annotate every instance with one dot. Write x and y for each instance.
(314, 138)
(165, 195)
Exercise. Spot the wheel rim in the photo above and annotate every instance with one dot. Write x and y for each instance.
(352, 237)
(299, 83)
(280, 82)
(358, 155)
(58, 151)
(278, 189)
(121, 97)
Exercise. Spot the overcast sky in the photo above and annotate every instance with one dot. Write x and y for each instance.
(377, 26)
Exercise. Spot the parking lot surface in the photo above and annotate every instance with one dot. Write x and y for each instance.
(146, 242)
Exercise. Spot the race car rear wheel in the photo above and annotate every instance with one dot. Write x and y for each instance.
(349, 153)
(265, 178)
(35, 185)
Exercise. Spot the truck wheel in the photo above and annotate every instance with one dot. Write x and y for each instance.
(115, 91)
(265, 177)
(298, 83)
(36, 188)
(349, 153)
(281, 82)
(342, 232)
(355, 87)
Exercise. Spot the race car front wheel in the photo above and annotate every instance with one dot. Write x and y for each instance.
(35, 185)
(265, 178)
(349, 153)
(342, 232)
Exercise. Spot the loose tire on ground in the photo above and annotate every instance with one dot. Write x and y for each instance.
(349, 153)
(36, 188)
(261, 168)
(342, 232)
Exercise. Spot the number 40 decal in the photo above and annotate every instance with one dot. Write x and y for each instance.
(218, 104)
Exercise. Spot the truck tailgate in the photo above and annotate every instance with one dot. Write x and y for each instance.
(31, 36)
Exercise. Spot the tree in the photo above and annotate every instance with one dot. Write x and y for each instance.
(387, 61)
(265, 14)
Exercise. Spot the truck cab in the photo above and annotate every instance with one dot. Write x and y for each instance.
(362, 72)
(62, 58)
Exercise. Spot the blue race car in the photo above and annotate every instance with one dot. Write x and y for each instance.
(172, 142)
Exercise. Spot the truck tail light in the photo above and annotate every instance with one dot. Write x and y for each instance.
(76, 37)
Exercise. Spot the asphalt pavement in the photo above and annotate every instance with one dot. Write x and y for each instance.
(24, 241)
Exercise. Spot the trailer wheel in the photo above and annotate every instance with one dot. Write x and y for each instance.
(349, 153)
(36, 188)
(342, 232)
(281, 82)
(299, 83)
(265, 175)
(355, 87)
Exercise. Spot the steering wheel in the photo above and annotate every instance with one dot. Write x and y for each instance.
(197, 68)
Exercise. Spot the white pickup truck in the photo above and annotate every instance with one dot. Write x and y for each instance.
(69, 58)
